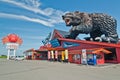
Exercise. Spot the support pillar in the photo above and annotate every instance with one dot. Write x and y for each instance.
(63, 56)
(8, 56)
(49, 55)
(52, 55)
(66, 55)
(32, 56)
(56, 55)
(118, 54)
(14, 53)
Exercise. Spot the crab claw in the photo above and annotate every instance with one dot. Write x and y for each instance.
(98, 39)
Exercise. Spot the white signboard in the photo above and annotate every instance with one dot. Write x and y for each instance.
(84, 57)
(12, 45)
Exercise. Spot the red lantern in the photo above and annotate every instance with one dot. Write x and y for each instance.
(13, 38)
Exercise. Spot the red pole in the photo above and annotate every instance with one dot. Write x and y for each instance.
(118, 54)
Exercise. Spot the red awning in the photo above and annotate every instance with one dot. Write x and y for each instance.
(91, 51)
(98, 51)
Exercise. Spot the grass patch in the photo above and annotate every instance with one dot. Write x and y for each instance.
(3, 56)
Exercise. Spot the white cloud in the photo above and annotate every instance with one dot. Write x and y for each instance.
(35, 37)
(53, 15)
(32, 5)
(26, 5)
(46, 23)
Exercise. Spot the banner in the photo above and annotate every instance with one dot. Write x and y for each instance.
(69, 44)
(84, 57)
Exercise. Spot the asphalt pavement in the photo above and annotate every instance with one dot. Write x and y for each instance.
(45, 70)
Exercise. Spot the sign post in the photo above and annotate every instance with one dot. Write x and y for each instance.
(11, 47)
(12, 42)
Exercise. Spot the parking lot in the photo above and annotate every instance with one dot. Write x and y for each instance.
(44, 70)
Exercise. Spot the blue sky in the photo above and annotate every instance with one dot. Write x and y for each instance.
(32, 20)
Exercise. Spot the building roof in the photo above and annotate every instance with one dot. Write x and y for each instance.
(90, 44)
(63, 33)
(60, 34)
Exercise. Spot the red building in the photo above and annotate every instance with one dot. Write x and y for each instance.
(81, 51)
(77, 51)
(33, 54)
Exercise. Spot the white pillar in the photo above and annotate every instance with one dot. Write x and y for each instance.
(14, 53)
(8, 56)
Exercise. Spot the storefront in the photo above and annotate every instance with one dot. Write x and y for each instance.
(32, 54)
(81, 51)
